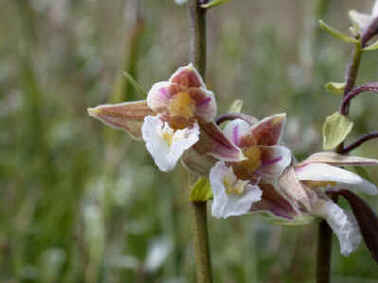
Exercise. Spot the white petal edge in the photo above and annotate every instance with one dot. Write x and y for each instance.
(156, 98)
(374, 12)
(328, 173)
(342, 224)
(236, 129)
(166, 156)
(360, 19)
(225, 205)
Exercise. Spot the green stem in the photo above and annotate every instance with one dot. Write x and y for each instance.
(197, 17)
(201, 243)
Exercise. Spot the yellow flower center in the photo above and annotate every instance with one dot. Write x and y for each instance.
(235, 188)
(317, 184)
(167, 137)
(253, 162)
(181, 105)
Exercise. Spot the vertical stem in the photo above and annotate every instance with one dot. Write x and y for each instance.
(323, 257)
(197, 17)
(201, 243)
(323, 264)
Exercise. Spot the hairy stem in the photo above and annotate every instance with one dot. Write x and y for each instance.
(197, 17)
(352, 72)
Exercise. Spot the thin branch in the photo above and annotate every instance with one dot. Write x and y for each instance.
(344, 108)
(360, 141)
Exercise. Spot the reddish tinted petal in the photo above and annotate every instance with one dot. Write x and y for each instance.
(159, 96)
(187, 77)
(272, 201)
(266, 132)
(212, 141)
(205, 105)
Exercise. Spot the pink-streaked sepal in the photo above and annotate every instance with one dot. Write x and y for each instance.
(215, 143)
(128, 116)
(274, 160)
(333, 158)
(275, 203)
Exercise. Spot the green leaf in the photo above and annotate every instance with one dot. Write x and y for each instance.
(201, 191)
(363, 173)
(335, 129)
(371, 47)
(236, 106)
(138, 87)
(337, 34)
(335, 88)
(214, 3)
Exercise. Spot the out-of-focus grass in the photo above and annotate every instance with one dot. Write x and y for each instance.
(81, 203)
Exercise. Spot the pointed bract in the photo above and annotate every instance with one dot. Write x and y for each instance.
(128, 116)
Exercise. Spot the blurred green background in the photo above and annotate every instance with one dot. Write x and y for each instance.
(80, 202)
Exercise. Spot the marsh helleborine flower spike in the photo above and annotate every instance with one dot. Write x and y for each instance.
(235, 184)
(171, 118)
(360, 20)
(306, 184)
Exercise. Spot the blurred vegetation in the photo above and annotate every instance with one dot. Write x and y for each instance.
(83, 203)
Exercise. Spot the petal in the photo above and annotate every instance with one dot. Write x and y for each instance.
(343, 225)
(213, 141)
(275, 203)
(375, 10)
(334, 158)
(197, 163)
(160, 94)
(225, 205)
(359, 19)
(166, 154)
(236, 129)
(294, 190)
(274, 160)
(187, 76)
(128, 116)
(205, 105)
(266, 132)
(328, 173)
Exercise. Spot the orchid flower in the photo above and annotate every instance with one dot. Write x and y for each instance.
(171, 119)
(305, 185)
(235, 184)
(360, 20)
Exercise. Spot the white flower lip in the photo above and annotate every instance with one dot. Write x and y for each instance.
(343, 225)
(329, 173)
(165, 145)
(231, 204)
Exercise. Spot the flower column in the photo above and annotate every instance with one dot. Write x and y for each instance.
(197, 18)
